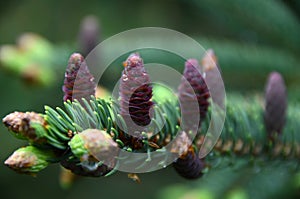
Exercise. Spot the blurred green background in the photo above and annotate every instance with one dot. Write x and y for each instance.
(250, 38)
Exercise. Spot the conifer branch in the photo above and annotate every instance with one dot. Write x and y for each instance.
(73, 135)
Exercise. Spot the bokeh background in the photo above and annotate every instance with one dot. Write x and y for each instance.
(250, 38)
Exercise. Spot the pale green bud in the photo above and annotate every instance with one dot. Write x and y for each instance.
(28, 160)
(94, 145)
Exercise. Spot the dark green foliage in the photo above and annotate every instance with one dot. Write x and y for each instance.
(274, 23)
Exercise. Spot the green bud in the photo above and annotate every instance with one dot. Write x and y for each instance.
(77, 146)
(66, 178)
(28, 160)
(95, 145)
(29, 125)
(30, 59)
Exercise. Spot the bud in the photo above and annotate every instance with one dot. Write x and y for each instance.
(89, 34)
(181, 145)
(77, 71)
(212, 75)
(209, 60)
(28, 160)
(22, 125)
(189, 165)
(102, 93)
(29, 59)
(275, 105)
(135, 91)
(191, 88)
(93, 145)
(66, 178)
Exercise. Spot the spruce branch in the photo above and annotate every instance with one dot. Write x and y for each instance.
(78, 134)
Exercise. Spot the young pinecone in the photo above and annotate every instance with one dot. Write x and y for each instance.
(21, 124)
(193, 87)
(79, 82)
(135, 91)
(89, 34)
(275, 105)
(189, 165)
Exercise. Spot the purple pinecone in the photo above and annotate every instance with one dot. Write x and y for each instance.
(135, 91)
(189, 165)
(89, 34)
(191, 88)
(79, 82)
(275, 105)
